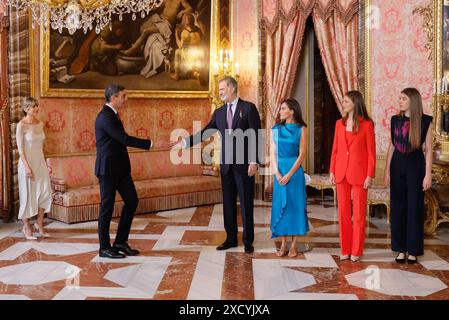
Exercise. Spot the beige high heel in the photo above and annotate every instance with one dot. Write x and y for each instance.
(282, 252)
(292, 253)
(28, 237)
(45, 234)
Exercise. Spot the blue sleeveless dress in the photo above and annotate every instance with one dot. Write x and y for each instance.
(288, 212)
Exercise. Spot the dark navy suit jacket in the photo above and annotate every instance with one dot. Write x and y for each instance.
(111, 141)
(246, 118)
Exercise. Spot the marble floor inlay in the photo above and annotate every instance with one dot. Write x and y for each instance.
(178, 261)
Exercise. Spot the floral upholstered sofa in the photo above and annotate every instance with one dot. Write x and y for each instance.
(160, 185)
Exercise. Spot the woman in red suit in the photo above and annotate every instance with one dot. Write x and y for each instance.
(353, 162)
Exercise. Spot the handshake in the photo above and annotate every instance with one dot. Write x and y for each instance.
(174, 145)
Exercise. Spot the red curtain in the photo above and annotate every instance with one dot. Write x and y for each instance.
(336, 26)
(338, 43)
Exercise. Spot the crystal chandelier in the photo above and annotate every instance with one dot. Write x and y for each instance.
(82, 14)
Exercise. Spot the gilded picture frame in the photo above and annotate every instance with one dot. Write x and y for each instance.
(137, 84)
(437, 18)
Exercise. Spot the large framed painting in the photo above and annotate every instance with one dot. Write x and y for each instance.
(166, 54)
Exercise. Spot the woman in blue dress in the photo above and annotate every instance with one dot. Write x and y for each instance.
(288, 152)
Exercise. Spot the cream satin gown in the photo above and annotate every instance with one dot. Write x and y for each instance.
(33, 193)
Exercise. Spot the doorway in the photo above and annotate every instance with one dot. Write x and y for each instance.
(319, 108)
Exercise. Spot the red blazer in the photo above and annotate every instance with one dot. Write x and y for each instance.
(359, 160)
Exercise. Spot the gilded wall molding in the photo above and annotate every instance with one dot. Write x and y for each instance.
(427, 13)
(4, 121)
(367, 54)
(4, 22)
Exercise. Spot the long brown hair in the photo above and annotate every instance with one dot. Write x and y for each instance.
(294, 105)
(416, 112)
(359, 109)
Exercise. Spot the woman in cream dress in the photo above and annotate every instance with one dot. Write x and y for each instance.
(33, 176)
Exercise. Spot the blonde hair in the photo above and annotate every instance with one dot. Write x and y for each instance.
(29, 102)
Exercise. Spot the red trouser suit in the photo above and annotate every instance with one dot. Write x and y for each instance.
(351, 163)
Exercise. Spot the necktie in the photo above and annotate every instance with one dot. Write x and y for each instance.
(229, 117)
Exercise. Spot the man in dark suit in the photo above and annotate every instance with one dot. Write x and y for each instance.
(238, 123)
(113, 169)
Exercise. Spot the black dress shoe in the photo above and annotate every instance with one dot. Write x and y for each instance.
(401, 261)
(226, 245)
(125, 248)
(112, 254)
(249, 248)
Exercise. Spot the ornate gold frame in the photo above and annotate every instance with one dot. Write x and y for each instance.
(367, 64)
(433, 23)
(46, 91)
(367, 57)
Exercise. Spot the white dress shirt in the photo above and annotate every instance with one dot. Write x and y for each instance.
(115, 111)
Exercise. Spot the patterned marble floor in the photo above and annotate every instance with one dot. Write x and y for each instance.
(178, 261)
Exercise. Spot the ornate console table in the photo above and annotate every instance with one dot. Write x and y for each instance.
(437, 198)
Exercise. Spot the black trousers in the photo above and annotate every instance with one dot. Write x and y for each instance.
(407, 173)
(108, 186)
(234, 182)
